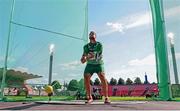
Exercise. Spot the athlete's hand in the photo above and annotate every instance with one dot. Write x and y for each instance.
(83, 59)
(90, 55)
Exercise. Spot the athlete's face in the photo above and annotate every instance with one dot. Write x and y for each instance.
(92, 38)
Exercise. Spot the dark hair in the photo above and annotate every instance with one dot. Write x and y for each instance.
(92, 33)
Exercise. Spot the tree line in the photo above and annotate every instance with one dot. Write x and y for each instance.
(79, 85)
(120, 81)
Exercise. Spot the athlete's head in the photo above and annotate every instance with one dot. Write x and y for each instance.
(92, 36)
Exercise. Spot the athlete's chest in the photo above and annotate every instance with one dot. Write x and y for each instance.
(93, 47)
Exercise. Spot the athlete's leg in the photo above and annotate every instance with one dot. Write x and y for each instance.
(87, 78)
(104, 86)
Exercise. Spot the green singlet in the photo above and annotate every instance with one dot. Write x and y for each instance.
(95, 64)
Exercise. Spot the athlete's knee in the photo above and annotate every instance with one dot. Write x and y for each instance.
(102, 78)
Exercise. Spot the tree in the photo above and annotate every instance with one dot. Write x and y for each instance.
(137, 81)
(73, 85)
(113, 81)
(97, 82)
(129, 81)
(81, 85)
(121, 81)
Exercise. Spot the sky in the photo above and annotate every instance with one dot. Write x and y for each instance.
(126, 36)
(124, 27)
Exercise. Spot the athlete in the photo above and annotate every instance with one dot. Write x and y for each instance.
(92, 55)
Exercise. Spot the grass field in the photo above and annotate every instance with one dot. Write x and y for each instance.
(130, 99)
(67, 98)
(38, 98)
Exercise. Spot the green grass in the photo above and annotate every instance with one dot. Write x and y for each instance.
(130, 99)
(68, 98)
(117, 98)
(37, 98)
(177, 99)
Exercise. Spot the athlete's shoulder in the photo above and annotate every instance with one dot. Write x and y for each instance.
(99, 43)
(86, 45)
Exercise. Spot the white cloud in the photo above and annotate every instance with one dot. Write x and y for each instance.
(116, 26)
(107, 32)
(71, 65)
(134, 68)
(131, 72)
(130, 21)
(140, 19)
(54, 74)
(175, 11)
(10, 59)
(148, 60)
(38, 81)
(137, 20)
(22, 69)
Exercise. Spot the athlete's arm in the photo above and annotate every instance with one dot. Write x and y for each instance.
(83, 59)
(84, 56)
